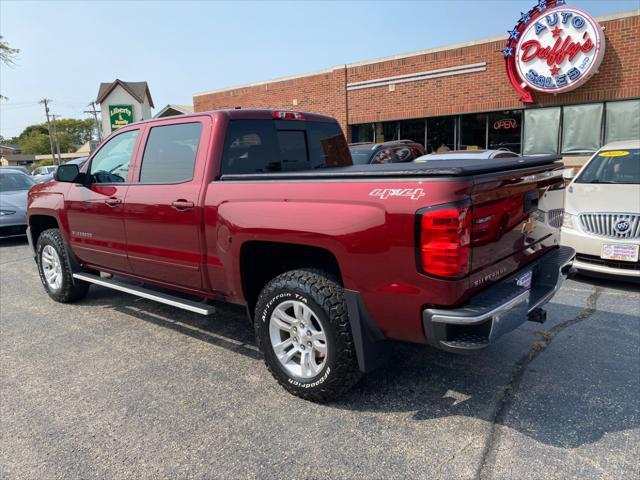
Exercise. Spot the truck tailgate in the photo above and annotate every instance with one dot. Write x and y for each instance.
(517, 217)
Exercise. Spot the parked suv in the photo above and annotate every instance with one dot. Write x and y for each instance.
(389, 152)
(332, 260)
(602, 216)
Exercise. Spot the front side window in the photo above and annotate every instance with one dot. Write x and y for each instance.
(170, 153)
(111, 163)
(614, 166)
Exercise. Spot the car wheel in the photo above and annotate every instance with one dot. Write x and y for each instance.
(303, 329)
(54, 269)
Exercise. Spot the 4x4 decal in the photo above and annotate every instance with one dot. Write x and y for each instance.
(384, 193)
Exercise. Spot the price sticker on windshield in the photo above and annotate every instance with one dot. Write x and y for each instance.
(614, 153)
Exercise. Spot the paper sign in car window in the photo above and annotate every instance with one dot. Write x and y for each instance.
(614, 153)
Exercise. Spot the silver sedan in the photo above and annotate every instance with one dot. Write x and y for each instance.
(14, 186)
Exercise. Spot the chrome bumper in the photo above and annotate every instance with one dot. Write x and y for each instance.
(499, 309)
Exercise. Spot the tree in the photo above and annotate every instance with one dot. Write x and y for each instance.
(72, 133)
(35, 143)
(8, 55)
(78, 131)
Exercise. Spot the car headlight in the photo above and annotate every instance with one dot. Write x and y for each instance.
(568, 220)
(4, 213)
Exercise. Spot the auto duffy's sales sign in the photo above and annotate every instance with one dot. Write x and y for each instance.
(553, 49)
(120, 115)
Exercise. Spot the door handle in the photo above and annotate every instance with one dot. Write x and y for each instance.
(113, 202)
(182, 204)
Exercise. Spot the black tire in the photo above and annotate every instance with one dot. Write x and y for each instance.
(70, 290)
(326, 300)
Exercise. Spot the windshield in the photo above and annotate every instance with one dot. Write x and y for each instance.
(11, 182)
(613, 166)
(360, 157)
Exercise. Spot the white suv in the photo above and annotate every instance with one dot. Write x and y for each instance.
(602, 211)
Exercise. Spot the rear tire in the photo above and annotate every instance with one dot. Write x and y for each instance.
(303, 329)
(54, 269)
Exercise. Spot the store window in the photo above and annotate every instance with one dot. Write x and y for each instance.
(505, 129)
(386, 132)
(362, 133)
(582, 128)
(441, 134)
(473, 132)
(622, 121)
(541, 130)
(413, 130)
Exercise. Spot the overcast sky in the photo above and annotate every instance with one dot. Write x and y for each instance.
(182, 48)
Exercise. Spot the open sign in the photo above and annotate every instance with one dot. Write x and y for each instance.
(505, 124)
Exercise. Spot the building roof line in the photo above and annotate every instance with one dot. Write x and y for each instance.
(496, 38)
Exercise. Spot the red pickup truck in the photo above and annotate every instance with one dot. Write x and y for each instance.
(265, 209)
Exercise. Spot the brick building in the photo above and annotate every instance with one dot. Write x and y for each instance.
(460, 96)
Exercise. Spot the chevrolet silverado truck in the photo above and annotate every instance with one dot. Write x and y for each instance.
(332, 260)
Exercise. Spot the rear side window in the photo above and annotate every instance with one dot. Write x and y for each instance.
(170, 153)
(261, 146)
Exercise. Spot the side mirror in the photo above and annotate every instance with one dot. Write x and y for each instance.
(568, 174)
(68, 173)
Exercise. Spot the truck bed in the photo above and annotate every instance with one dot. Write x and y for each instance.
(431, 168)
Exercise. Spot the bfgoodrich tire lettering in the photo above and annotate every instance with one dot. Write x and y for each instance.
(320, 301)
(50, 247)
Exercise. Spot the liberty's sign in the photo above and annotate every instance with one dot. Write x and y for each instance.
(553, 49)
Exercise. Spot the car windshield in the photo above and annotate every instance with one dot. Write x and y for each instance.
(11, 182)
(360, 156)
(613, 166)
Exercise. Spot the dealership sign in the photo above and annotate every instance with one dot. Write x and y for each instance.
(553, 49)
(120, 115)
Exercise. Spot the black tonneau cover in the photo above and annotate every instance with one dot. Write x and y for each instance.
(431, 168)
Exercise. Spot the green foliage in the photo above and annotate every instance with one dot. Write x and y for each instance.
(78, 131)
(71, 133)
(35, 143)
(43, 163)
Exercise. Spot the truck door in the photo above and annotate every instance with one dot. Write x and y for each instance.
(95, 211)
(163, 212)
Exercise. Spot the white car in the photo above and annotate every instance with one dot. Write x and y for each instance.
(40, 174)
(602, 212)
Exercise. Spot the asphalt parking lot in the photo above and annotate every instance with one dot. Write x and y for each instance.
(118, 387)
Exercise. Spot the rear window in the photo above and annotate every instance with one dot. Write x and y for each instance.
(613, 166)
(170, 153)
(260, 146)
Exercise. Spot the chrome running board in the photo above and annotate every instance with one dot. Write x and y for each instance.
(197, 307)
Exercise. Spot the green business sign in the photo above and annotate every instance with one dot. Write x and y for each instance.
(120, 115)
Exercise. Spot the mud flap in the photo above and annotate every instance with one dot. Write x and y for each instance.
(370, 344)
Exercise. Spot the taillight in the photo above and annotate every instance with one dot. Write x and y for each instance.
(283, 115)
(444, 240)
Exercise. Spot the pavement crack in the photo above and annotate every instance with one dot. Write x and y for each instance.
(511, 389)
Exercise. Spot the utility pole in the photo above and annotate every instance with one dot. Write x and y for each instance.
(55, 134)
(45, 102)
(94, 112)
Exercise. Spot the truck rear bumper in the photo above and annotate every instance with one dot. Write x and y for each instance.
(501, 308)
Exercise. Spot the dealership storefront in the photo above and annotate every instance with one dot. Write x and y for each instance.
(559, 82)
